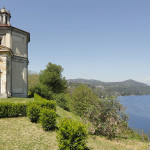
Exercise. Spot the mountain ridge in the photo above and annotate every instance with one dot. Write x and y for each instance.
(81, 80)
(127, 87)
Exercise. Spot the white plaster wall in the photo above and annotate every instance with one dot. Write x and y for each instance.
(3, 39)
(3, 62)
(8, 40)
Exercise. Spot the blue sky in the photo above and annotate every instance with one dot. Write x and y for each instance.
(107, 40)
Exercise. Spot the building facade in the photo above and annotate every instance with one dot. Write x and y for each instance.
(13, 58)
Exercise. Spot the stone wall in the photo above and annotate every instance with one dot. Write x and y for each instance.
(13, 62)
(19, 77)
(19, 46)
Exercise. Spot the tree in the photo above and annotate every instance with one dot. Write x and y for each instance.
(107, 115)
(51, 80)
(33, 80)
(82, 99)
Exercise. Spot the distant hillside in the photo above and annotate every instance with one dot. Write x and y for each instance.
(128, 87)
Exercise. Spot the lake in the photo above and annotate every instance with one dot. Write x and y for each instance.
(138, 110)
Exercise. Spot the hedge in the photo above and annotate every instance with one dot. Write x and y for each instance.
(37, 97)
(9, 109)
(48, 119)
(72, 135)
(38, 107)
(44, 103)
(33, 112)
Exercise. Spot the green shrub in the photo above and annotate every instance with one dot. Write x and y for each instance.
(9, 109)
(48, 119)
(81, 99)
(37, 97)
(136, 134)
(43, 91)
(4, 109)
(61, 100)
(108, 117)
(33, 112)
(31, 91)
(33, 80)
(72, 135)
(49, 104)
(17, 110)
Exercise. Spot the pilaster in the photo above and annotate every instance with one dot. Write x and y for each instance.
(3, 76)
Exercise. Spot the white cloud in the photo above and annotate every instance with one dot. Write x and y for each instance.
(146, 80)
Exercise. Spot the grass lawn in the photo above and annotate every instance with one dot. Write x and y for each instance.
(16, 99)
(21, 134)
(101, 143)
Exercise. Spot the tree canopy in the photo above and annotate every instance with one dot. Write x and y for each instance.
(51, 80)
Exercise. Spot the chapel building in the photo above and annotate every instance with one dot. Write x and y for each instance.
(13, 58)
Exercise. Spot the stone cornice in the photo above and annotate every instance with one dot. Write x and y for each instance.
(4, 49)
(7, 27)
(20, 58)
